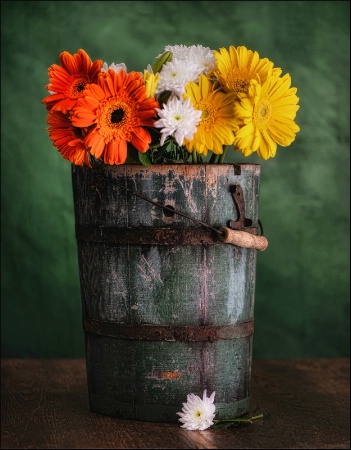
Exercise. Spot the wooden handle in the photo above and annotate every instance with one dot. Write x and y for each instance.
(243, 239)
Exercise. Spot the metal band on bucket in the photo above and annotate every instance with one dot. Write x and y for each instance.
(186, 333)
(148, 236)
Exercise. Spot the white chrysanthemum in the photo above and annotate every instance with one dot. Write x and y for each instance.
(198, 414)
(115, 67)
(175, 75)
(178, 51)
(177, 118)
(202, 56)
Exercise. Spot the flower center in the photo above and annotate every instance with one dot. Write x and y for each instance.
(262, 113)
(209, 114)
(77, 86)
(198, 414)
(117, 115)
(238, 82)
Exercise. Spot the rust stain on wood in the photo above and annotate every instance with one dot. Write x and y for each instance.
(167, 375)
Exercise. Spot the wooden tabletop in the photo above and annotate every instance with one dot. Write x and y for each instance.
(305, 403)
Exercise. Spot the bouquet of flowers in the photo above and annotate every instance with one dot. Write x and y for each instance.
(192, 103)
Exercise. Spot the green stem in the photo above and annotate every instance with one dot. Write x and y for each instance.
(194, 156)
(213, 158)
(221, 157)
(239, 419)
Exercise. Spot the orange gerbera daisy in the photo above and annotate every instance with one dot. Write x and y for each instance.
(119, 108)
(67, 138)
(67, 83)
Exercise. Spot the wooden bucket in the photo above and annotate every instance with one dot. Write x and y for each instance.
(167, 307)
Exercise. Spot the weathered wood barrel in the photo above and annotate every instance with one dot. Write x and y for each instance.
(167, 307)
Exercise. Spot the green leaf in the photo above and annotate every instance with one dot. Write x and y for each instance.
(164, 97)
(130, 160)
(132, 155)
(144, 159)
(163, 59)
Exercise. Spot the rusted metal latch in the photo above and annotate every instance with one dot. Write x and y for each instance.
(241, 231)
(242, 221)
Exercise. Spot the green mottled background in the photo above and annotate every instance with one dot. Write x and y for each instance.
(302, 285)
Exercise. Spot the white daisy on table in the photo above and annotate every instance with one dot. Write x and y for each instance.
(197, 413)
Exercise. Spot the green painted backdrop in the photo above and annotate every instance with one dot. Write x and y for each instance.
(302, 287)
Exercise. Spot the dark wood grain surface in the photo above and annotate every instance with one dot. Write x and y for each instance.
(306, 404)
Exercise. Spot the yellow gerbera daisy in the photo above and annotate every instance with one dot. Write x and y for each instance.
(266, 116)
(238, 66)
(217, 124)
